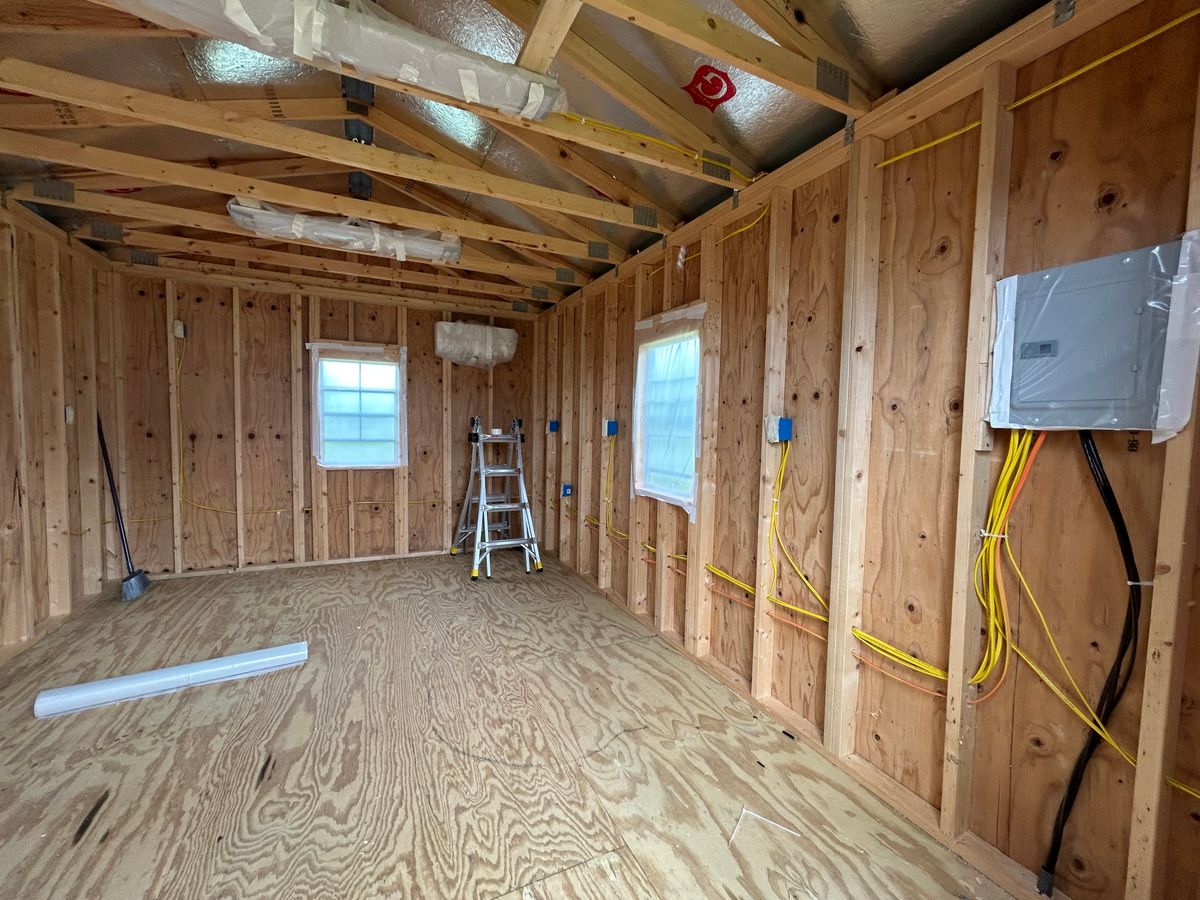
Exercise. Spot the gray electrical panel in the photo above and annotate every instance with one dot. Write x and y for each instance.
(1081, 346)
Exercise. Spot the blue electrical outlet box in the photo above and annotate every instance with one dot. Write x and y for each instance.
(566, 490)
(777, 429)
(552, 426)
(610, 427)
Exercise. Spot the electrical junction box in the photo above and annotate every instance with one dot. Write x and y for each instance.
(777, 429)
(1082, 346)
(609, 427)
(552, 426)
(566, 492)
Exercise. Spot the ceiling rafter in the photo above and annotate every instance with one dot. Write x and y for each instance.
(802, 27)
(80, 90)
(52, 116)
(142, 211)
(555, 126)
(426, 140)
(66, 17)
(286, 283)
(623, 78)
(547, 33)
(167, 243)
(699, 30)
(182, 175)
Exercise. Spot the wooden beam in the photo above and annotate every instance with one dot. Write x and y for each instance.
(400, 474)
(553, 403)
(567, 389)
(239, 438)
(320, 481)
(1167, 640)
(57, 116)
(710, 35)
(296, 340)
(449, 502)
(182, 175)
(176, 449)
(585, 429)
(92, 93)
(639, 507)
(596, 56)
(855, 392)
(48, 303)
(987, 266)
(206, 221)
(608, 410)
(546, 35)
(799, 26)
(779, 278)
(697, 633)
(284, 167)
(73, 17)
(82, 321)
(148, 240)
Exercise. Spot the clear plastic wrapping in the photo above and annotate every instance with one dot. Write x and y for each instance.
(1110, 343)
(666, 406)
(345, 234)
(468, 344)
(361, 35)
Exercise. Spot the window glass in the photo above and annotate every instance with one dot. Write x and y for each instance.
(359, 413)
(666, 418)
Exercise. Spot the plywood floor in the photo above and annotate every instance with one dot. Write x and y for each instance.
(523, 738)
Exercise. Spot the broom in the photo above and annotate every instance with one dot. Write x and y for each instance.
(136, 582)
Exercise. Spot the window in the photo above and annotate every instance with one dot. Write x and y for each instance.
(667, 407)
(359, 409)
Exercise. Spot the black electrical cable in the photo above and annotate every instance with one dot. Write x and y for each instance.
(1119, 673)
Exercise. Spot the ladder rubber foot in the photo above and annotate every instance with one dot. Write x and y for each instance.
(454, 551)
(539, 567)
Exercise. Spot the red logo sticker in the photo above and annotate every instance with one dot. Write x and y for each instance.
(710, 87)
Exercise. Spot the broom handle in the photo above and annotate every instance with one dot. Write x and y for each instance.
(112, 489)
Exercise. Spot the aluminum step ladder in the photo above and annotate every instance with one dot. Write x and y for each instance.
(490, 491)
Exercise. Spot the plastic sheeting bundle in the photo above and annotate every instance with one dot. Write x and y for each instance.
(345, 234)
(481, 346)
(361, 35)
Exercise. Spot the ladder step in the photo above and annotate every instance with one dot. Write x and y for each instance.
(492, 499)
(503, 471)
(504, 507)
(498, 439)
(509, 542)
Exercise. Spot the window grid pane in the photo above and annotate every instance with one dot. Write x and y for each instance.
(668, 381)
(359, 409)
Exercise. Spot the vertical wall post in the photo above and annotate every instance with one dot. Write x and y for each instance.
(448, 502)
(18, 604)
(570, 350)
(298, 426)
(400, 474)
(779, 258)
(639, 507)
(320, 480)
(702, 529)
(863, 225)
(1166, 645)
(550, 499)
(54, 425)
(608, 402)
(87, 402)
(665, 536)
(239, 488)
(987, 265)
(536, 426)
(585, 356)
(176, 450)
(351, 494)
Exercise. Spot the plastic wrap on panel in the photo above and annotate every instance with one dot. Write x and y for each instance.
(1109, 343)
(345, 234)
(666, 406)
(363, 38)
(468, 344)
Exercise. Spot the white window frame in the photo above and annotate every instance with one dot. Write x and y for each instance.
(675, 323)
(359, 352)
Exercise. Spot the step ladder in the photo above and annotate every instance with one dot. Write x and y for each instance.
(496, 487)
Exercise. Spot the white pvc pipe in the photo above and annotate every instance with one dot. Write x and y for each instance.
(58, 701)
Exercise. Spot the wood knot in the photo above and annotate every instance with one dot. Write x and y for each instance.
(1108, 199)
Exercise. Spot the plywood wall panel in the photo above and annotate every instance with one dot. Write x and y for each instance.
(147, 433)
(805, 524)
(374, 490)
(206, 422)
(744, 309)
(267, 426)
(928, 217)
(424, 435)
(1084, 186)
(469, 397)
(335, 325)
(590, 372)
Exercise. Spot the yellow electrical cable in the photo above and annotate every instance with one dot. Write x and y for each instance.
(1045, 89)
(762, 215)
(608, 510)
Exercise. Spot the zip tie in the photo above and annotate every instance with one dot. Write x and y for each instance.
(988, 534)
